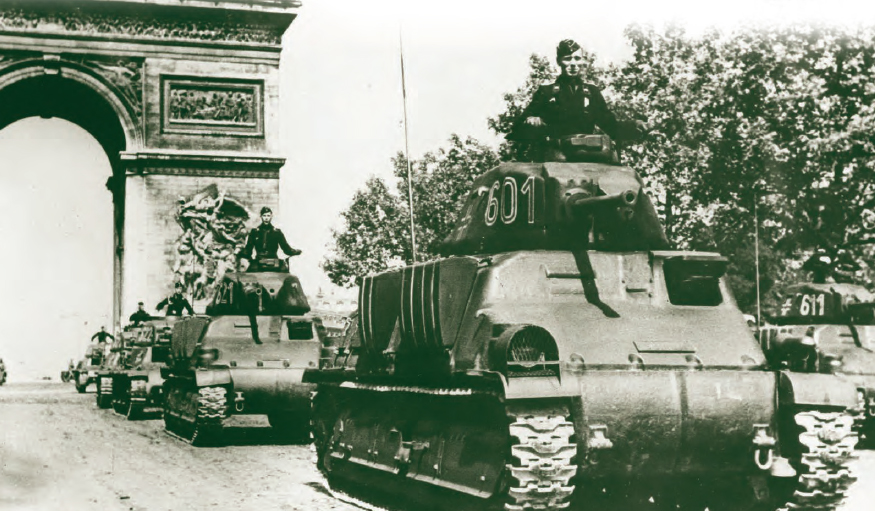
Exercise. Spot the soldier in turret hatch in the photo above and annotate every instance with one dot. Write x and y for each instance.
(141, 315)
(569, 106)
(265, 240)
(175, 303)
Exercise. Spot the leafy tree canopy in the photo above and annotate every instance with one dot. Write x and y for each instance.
(774, 119)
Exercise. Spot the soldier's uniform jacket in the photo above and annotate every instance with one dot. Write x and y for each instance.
(570, 106)
(175, 303)
(140, 316)
(265, 240)
(102, 336)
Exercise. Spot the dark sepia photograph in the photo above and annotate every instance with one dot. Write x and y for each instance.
(463, 255)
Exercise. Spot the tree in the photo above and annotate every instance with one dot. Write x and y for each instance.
(777, 118)
(376, 234)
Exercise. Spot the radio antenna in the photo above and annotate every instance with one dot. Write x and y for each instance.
(407, 150)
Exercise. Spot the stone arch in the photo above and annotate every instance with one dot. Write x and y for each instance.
(50, 87)
(58, 74)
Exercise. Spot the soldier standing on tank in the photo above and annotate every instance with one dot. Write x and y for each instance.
(102, 336)
(569, 106)
(175, 303)
(265, 240)
(141, 315)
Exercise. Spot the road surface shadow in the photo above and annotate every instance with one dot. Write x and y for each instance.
(251, 436)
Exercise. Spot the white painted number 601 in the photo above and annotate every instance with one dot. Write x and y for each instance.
(505, 203)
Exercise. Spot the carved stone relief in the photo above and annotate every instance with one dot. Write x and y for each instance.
(126, 74)
(225, 107)
(213, 231)
(95, 23)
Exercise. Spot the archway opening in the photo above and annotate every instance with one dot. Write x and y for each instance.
(59, 147)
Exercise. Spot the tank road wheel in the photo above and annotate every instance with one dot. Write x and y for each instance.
(212, 406)
(543, 462)
(826, 444)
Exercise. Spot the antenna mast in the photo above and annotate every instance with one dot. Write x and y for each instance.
(407, 150)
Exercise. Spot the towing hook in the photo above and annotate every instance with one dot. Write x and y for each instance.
(763, 441)
(770, 458)
(239, 402)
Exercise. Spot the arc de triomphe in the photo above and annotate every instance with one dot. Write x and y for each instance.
(183, 96)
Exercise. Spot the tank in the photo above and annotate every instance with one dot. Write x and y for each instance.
(828, 328)
(112, 362)
(246, 356)
(84, 373)
(137, 384)
(559, 354)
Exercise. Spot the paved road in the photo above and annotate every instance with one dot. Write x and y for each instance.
(58, 451)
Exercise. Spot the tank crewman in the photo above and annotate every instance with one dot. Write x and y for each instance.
(265, 240)
(569, 106)
(102, 336)
(825, 268)
(175, 303)
(141, 315)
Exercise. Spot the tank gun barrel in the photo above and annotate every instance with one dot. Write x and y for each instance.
(579, 203)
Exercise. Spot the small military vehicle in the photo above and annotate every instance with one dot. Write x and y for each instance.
(828, 328)
(246, 356)
(85, 371)
(560, 354)
(137, 384)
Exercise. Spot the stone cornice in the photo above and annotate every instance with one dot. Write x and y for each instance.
(229, 22)
(213, 164)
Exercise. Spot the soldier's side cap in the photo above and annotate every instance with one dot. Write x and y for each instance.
(265, 210)
(566, 47)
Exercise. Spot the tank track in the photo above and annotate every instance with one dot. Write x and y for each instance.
(541, 462)
(827, 441)
(544, 462)
(212, 403)
(205, 427)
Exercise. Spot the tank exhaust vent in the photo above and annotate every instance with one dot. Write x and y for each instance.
(526, 350)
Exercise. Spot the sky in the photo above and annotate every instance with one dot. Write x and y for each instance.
(342, 123)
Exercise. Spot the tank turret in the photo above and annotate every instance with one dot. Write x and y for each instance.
(259, 293)
(556, 206)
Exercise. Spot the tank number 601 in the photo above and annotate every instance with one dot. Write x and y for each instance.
(503, 199)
